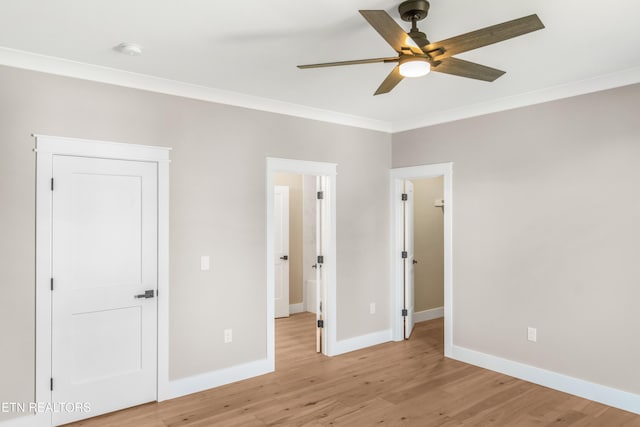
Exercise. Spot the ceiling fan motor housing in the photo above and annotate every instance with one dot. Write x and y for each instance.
(413, 9)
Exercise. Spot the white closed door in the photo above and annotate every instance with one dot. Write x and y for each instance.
(409, 264)
(104, 334)
(281, 250)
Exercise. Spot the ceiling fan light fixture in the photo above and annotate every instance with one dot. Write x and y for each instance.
(414, 67)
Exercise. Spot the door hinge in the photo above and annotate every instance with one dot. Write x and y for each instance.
(320, 259)
(405, 197)
(52, 283)
(320, 323)
(404, 254)
(51, 184)
(51, 384)
(320, 195)
(405, 312)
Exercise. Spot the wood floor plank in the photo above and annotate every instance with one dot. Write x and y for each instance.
(407, 383)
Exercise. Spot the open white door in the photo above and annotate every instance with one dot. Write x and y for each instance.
(321, 206)
(104, 281)
(409, 261)
(281, 250)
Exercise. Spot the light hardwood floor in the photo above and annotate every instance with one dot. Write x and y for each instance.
(394, 384)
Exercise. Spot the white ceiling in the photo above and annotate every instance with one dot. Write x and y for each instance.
(246, 52)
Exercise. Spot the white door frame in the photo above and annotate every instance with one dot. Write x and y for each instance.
(302, 167)
(397, 297)
(46, 148)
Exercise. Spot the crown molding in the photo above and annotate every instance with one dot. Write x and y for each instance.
(67, 68)
(581, 87)
(63, 67)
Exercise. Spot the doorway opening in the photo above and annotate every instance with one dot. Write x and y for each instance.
(428, 238)
(421, 248)
(301, 248)
(295, 240)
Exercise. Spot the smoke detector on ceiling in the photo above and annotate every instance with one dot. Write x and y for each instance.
(131, 49)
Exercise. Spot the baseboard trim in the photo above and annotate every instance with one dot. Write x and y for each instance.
(423, 316)
(196, 383)
(296, 308)
(363, 341)
(588, 390)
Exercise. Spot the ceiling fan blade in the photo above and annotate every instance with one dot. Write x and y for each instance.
(462, 68)
(354, 62)
(390, 82)
(387, 28)
(483, 37)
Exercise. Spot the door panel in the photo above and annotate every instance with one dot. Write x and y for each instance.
(321, 212)
(281, 250)
(119, 328)
(409, 268)
(104, 341)
(99, 202)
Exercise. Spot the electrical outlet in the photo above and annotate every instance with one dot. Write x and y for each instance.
(228, 336)
(532, 334)
(372, 308)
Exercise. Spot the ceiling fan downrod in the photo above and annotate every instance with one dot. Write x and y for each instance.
(414, 11)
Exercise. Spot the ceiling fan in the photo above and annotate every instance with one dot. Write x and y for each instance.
(417, 55)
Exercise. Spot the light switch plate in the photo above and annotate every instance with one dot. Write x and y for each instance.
(205, 263)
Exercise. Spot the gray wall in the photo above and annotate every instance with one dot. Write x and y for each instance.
(546, 232)
(217, 208)
(428, 225)
(546, 222)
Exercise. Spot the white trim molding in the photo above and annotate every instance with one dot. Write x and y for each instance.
(46, 148)
(582, 87)
(578, 387)
(67, 68)
(434, 313)
(296, 308)
(200, 382)
(362, 341)
(397, 288)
